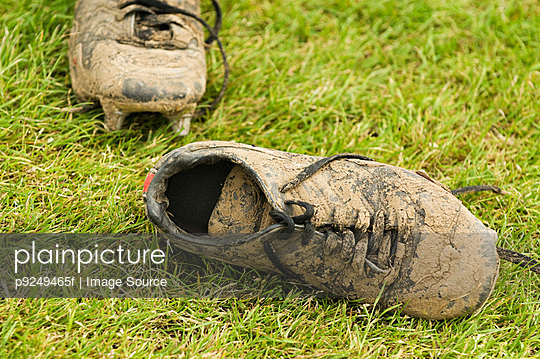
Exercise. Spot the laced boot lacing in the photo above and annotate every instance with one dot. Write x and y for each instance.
(375, 248)
(151, 23)
(379, 247)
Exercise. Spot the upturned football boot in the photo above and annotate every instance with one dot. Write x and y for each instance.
(140, 56)
(345, 224)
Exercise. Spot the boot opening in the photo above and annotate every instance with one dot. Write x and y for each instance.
(218, 198)
(193, 195)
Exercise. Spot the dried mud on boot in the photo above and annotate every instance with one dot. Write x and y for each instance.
(347, 225)
(140, 56)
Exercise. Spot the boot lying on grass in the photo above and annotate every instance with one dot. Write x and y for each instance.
(345, 224)
(142, 56)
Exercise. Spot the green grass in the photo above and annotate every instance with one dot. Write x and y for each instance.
(449, 87)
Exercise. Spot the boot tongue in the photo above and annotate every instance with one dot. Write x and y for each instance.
(241, 207)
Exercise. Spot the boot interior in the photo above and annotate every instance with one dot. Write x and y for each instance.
(194, 193)
(219, 198)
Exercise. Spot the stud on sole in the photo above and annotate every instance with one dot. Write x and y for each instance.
(114, 117)
(181, 121)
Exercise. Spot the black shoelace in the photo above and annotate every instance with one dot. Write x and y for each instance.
(379, 246)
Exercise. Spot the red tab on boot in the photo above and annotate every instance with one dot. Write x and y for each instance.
(148, 180)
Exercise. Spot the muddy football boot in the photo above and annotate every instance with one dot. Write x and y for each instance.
(140, 56)
(345, 224)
